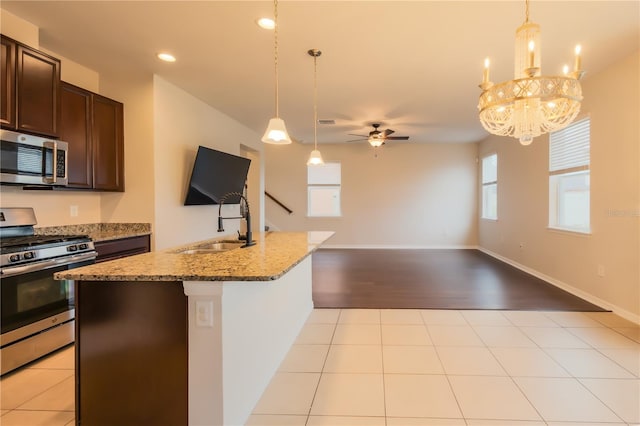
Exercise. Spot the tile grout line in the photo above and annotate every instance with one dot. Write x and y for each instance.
(435, 349)
(384, 389)
(315, 392)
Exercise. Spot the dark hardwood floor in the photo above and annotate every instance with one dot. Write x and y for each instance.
(431, 279)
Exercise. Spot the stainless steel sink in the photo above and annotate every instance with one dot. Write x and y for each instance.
(220, 246)
(211, 248)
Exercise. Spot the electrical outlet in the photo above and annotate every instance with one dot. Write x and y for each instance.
(73, 211)
(204, 313)
(601, 270)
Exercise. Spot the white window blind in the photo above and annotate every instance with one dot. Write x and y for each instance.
(323, 190)
(569, 148)
(490, 169)
(570, 178)
(324, 174)
(490, 187)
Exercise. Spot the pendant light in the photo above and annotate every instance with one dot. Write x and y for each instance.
(276, 132)
(315, 159)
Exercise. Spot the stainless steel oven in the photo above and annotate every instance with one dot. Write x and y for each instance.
(37, 312)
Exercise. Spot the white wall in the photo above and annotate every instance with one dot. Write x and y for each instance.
(612, 100)
(411, 195)
(181, 123)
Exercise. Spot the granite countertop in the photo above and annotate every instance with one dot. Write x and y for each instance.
(274, 254)
(99, 231)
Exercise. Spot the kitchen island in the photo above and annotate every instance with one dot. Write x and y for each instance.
(186, 336)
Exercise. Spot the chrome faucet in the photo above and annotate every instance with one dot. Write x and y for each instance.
(244, 215)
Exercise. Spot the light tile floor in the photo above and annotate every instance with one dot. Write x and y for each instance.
(41, 393)
(379, 367)
(414, 368)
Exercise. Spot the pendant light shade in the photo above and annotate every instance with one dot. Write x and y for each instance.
(315, 158)
(276, 132)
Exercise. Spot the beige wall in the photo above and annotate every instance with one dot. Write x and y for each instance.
(163, 127)
(51, 207)
(611, 99)
(411, 195)
(181, 123)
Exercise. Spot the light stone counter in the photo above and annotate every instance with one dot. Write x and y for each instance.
(99, 231)
(274, 254)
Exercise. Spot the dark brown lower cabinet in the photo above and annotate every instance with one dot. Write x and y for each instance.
(131, 353)
(122, 247)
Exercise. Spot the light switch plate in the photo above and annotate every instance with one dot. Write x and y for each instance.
(204, 313)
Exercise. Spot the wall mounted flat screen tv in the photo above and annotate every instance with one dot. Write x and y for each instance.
(216, 173)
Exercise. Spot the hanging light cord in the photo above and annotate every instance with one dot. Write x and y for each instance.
(526, 11)
(275, 34)
(315, 102)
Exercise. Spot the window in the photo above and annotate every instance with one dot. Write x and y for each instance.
(569, 177)
(323, 190)
(490, 187)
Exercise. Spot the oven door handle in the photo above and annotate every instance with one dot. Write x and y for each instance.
(46, 264)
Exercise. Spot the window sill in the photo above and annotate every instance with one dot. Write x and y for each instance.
(570, 231)
(488, 219)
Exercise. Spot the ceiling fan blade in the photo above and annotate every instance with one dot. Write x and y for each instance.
(397, 138)
(362, 136)
(356, 140)
(387, 132)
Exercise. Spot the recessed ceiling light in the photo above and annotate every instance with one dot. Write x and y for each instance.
(266, 23)
(167, 57)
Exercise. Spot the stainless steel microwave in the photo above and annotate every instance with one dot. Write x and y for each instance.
(32, 160)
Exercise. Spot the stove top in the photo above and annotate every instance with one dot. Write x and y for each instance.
(25, 242)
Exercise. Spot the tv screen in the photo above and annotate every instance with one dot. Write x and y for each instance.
(215, 174)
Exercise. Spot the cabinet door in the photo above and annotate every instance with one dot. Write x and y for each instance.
(115, 249)
(75, 129)
(38, 92)
(8, 82)
(108, 144)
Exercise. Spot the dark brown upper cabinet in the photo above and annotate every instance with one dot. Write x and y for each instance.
(93, 127)
(31, 89)
(108, 144)
(75, 129)
(8, 81)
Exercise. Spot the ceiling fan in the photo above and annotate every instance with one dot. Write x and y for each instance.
(377, 137)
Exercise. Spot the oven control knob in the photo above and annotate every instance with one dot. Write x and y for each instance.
(14, 258)
(29, 255)
(83, 246)
(72, 248)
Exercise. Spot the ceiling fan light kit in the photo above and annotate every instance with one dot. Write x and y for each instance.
(276, 132)
(530, 104)
(377, 138)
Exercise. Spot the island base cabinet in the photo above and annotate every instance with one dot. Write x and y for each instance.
(131, 353)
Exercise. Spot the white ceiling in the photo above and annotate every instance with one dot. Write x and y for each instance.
(412, 65)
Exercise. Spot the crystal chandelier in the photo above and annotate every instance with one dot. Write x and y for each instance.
(315, 158)
(530, 104)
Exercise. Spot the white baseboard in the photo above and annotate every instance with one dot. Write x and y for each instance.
(393, 247)
(630, 316)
